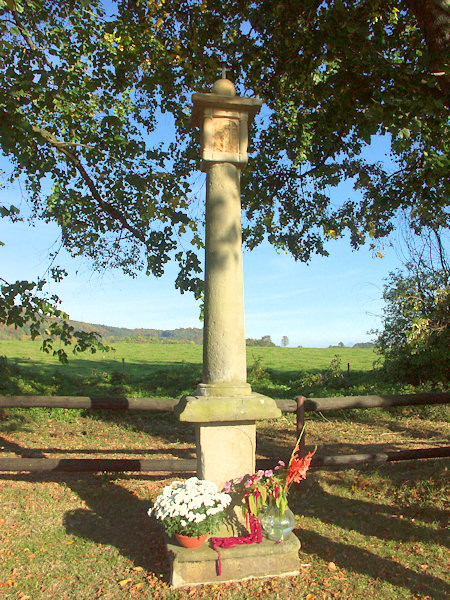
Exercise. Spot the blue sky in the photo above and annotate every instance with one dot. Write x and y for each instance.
(332, 299)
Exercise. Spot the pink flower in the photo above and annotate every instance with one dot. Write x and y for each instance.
(248, 483)
(260, 473)
(227, 486)
(281, 463)
(268, 473)
(239, 479)
(276, 490)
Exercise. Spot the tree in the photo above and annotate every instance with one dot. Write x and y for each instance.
(285, 341)
(24, 303)
(265, 340)
(416, 318)
(72, 126)
(415, 338)
(326, 99)
(81, 92)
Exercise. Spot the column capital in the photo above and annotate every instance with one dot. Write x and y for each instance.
(223, 120)
(223, 409)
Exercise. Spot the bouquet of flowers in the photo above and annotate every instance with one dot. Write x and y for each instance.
(193, 507)
(271, 486)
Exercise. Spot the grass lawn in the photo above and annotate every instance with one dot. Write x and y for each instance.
(377, 532)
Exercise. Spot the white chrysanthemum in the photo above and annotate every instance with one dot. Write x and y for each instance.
(191, 501)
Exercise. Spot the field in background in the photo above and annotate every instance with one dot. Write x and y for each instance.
(138, 354)
(170, 370)
(376, 532)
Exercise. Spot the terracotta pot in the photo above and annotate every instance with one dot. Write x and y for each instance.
(191, 542)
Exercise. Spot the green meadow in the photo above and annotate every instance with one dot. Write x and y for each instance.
(146, 369)
(138, 354)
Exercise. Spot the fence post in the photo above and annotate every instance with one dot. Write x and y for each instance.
(300, 412)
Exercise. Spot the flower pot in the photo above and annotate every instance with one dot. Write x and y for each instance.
(191, 542)
(275, 526)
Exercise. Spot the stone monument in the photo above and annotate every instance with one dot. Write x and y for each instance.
(225, 409)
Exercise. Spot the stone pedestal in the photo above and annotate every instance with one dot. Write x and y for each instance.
(268, 559)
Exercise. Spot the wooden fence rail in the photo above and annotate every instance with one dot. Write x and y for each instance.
(89, 402)
(303, 404)
(176, 465)
(299, 406)
(168, 404)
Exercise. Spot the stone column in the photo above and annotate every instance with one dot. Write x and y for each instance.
(225, 409)
(224, 357)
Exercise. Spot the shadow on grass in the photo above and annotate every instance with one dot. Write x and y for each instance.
(387, 522)
(371, 520)
(9, 446)
(278, 444)
(360, 560)
(118, 518)
(104, 378)
(114, 517)
(164, 425)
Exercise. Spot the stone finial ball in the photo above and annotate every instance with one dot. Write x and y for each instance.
(224, 87)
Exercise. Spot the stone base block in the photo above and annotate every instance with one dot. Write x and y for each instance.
(225, 450)
(268, 559)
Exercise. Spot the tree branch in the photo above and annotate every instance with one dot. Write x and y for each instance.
(106, 206)
(28, 39)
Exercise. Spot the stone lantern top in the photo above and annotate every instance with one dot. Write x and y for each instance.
(223, 119)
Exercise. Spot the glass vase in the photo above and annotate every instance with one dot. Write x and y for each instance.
(275, 526)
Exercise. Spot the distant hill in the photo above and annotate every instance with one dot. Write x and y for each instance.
(185, 335)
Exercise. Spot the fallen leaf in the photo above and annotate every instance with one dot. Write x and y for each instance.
(124, 582)
(310, 597)
(332, 567)
(137, 569)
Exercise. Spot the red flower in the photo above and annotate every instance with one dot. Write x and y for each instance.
(298, 468)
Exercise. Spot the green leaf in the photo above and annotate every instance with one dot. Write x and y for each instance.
(252, 504)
